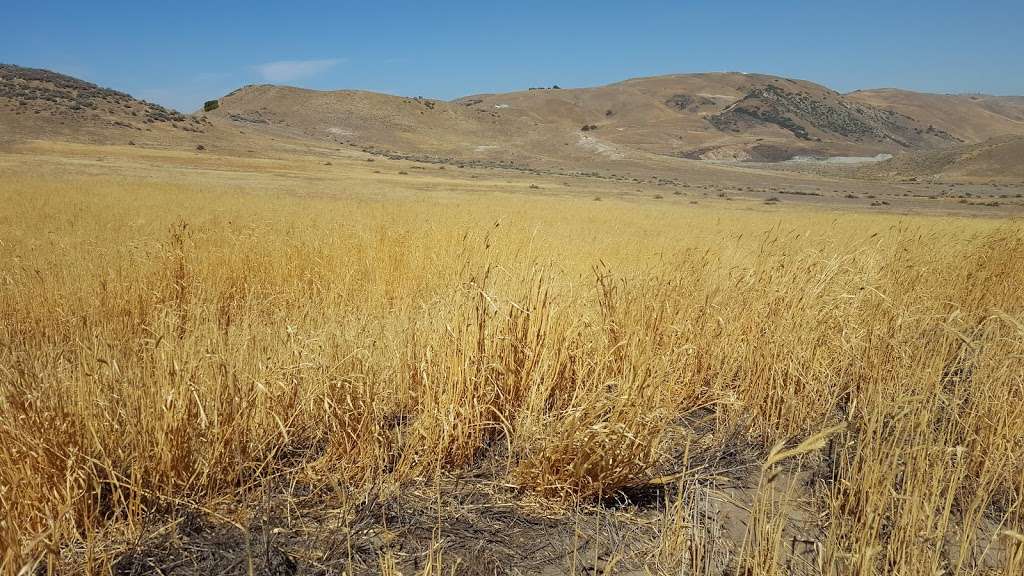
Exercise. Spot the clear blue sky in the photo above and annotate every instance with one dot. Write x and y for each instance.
(181, 53)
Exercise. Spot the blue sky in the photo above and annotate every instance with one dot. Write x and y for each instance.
(181, 53)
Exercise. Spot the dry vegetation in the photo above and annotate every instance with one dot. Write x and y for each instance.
(176, 355)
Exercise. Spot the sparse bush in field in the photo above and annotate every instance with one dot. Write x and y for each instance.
(211, 105)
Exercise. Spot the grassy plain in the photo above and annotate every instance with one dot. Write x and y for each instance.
(277, 366)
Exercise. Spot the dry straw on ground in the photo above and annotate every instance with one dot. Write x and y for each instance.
(166, 350)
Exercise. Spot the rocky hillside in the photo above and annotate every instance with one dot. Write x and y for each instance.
(727, 116)
(814, 115)
(969, 118)
(40, 103)
(999, 159)
(638, 122)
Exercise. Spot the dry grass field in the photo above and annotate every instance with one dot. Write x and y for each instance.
(273, 366)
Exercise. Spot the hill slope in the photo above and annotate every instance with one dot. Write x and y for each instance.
(968, 118)
(38, 103)
(722, 116)
(718, 116)
(996, 159)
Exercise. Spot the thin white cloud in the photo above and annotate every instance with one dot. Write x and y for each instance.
(292, 70)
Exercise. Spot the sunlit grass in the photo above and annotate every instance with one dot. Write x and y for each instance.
(165, 342)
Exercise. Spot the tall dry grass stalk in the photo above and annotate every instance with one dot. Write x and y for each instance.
(161, 345)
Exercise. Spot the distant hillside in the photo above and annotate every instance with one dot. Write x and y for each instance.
(634, 123)
(730, 116)
(996, 159)
(722, 116)
(348, 116)
(38, 103)
(968, 118)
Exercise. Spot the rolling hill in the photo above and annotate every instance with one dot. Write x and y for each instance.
(720, 116)
(969, 118)
(37, 103)
(999, 159)
(637, 122)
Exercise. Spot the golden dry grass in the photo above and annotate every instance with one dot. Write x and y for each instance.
(168, 342)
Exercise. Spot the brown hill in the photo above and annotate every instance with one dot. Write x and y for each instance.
(996, 159)
(635, 123)
(348, 116)
(968, 118)
(723, 116)
(38, 103)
